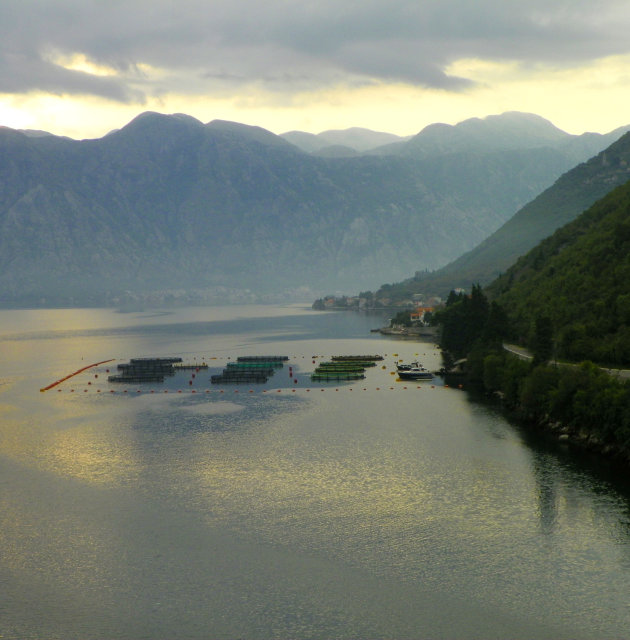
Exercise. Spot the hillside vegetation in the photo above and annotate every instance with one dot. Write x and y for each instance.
(579, 278)
(568, 299)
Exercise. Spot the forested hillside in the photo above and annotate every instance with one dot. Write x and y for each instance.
(568, 301)
(579, 278)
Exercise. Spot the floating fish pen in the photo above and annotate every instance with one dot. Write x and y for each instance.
(238, 371)
(145, 370)
(332, 376)
(240, 378)
(132, 379)
(254, 365)
(194, 367)
(343, 366)
(339, 370)
(355, 358)
(247, 369)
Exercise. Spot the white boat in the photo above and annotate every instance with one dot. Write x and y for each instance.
(413, 371)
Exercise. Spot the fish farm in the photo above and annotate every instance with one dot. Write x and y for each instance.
(249, 369)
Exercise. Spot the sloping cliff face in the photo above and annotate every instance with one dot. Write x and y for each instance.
(168, 203)
(573, 193)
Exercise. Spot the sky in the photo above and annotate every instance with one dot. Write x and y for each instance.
(81, 68)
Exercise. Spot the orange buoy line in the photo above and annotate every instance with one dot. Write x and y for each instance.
(90, 366)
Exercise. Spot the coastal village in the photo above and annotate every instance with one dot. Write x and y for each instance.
(411, 317)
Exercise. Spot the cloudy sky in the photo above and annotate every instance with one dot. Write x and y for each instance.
(84, 67)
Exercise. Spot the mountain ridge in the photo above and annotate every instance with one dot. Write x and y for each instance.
(562, 202)
(169, 203)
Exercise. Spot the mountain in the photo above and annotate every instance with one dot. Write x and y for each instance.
(566, 199)
(578, 279)
(511, 130)
(168, 204)
(355, 138)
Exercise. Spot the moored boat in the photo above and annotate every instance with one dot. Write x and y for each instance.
(334, 376)
(413, 371)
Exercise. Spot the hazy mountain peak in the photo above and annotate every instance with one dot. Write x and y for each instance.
(510, 130)
(248, 132)
(152, 122)
(356, 138)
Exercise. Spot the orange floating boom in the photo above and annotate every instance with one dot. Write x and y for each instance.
(90, 366)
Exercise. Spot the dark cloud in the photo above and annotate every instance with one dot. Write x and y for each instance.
(287, 45)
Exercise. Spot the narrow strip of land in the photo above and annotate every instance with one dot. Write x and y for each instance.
(89, 366)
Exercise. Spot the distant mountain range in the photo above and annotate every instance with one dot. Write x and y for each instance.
(355, 140)
(177, 209)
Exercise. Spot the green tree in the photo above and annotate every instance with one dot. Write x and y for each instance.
(542, 344)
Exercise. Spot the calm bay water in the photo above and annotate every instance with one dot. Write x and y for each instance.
(372, 509)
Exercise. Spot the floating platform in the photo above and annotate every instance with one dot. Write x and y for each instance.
(247, 372)
(253, 365)
(340, 370)
(243, 378)
(331, 377)
(194, 367)
(136, 379)
(141, 369)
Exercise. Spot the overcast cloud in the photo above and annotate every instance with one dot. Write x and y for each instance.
(153, 47)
